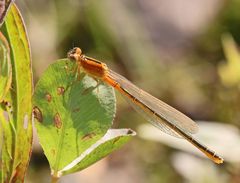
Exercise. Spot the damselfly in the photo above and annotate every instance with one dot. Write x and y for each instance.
(160, 114)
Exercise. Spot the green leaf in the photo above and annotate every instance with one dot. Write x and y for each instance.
(111, 141)
(16, 111)
(72, 114)
(5, 67)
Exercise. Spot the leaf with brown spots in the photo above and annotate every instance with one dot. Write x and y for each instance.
(72, 122)
(16, 146)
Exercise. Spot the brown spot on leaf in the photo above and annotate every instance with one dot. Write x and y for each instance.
(48, 97)
(88, 136)
(6, 103)
(53, 151)
(6, 106)
(66, 67)
(57, 121)
(76, 109)
(129, 132)
(17, 173)
(37, 114)
(88, 90)
(117, 139)
(60, 90)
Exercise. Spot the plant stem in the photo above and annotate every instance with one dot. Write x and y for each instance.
(54, 179)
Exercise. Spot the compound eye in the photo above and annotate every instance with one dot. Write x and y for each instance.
(77, 50)
(75, 53)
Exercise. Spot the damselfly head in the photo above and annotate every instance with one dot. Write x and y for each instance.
(75, 53)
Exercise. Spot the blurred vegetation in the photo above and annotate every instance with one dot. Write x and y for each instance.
(123, 34)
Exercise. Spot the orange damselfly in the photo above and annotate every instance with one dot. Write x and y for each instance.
(160, 114)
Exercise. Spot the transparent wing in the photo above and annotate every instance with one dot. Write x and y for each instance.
(165, 112)
(155, 121)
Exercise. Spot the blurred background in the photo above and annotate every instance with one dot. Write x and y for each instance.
(183, 52)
